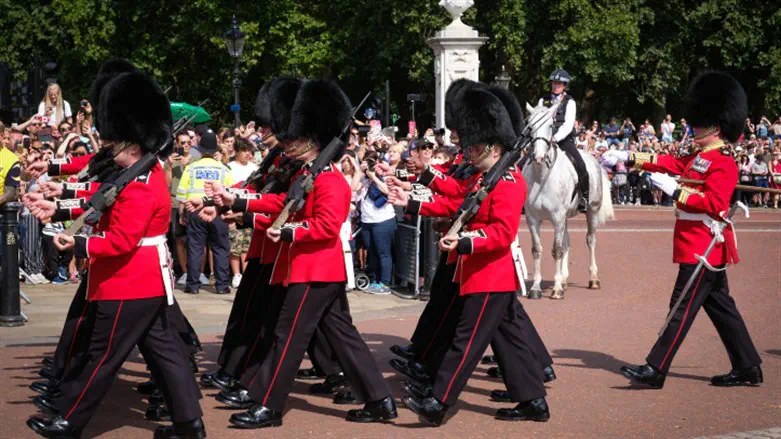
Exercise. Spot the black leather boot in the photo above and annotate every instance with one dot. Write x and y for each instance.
(548, 374)
(645, 374)
(147, 387)
(182, 430)
(193, 364)
(500, 396)
(429, 410)
(739, 377)
(257, 417)
(329, 386)
(57, 427)
(418, 391)
(494, 372)
(345, 398)
(46, 405)
(309, 374)
(46, 387)
(156, 398)
(534, 410)
(376, 411)
(47, 361)
(489, 359)
(405, 352)
(238, 399)
(414, 370)
(48, 373)
(220, 380)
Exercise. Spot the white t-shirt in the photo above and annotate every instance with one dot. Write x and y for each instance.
(372, 214)
(55, 119)
(242, 172)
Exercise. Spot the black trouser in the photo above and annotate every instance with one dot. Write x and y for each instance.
(438, 302)
(117, 326)
(307, 307)
(245, 319)
(568, 146)
(487, 318)
(710, 291)
(322, 355)
(199, 233)
(67, 349)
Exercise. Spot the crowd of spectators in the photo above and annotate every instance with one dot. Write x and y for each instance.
(215, 253)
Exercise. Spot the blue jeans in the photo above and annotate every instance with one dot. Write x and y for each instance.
(377, 239)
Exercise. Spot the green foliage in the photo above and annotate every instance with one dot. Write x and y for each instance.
(627, 57)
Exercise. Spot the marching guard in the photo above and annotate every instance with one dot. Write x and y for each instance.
(716, 107)
(130, 284)
(485, 276)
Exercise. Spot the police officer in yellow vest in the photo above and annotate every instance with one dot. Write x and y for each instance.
(10, 172)
(199, 232)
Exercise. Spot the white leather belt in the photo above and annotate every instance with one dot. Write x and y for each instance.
(164, 256)
(520, 265)
(714, 226)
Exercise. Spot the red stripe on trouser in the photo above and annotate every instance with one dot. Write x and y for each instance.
(73, 340)
(108, 348)
(468, 346)
(249, 300)
(686, 314)
(287, 343)
(441, 322)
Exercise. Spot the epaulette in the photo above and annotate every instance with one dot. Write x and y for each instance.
(508, 176)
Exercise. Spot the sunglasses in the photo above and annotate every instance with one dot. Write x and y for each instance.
(184, 143)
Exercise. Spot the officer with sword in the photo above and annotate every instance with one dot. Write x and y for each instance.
(704, 238)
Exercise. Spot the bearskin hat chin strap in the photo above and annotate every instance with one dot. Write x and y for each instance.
(708, 131)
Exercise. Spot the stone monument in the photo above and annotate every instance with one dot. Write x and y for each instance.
(455, 53)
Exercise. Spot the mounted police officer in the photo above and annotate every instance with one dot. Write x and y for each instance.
(564, 129)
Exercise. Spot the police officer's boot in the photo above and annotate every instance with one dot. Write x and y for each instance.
(583, 203)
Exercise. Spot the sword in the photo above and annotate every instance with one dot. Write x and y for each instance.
(717, 237)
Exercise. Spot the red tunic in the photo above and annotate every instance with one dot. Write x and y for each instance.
(119, 268)
(484, 256)
(720, 173)
(311, 249)
(68, 166)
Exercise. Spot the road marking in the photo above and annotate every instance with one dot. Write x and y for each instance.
(755, 434)
(636, 230)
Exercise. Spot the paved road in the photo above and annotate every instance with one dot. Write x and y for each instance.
(590, 335)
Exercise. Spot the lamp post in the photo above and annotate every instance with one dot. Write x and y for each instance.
(234, 39)
(503, 80)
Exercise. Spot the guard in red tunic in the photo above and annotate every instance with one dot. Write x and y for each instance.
(485, 277)
(716, 107)
(130, 282)
(310, 268)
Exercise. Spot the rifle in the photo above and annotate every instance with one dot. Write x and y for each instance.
(108, 191)
(296, 195)
(474, 200)
(266, 166)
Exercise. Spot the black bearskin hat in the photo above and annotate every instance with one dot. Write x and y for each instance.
(108, 71)
(513, 107)
(452, 97)
(263, 106)
(282, 97)
(321, 111)
(483, 118)
(717, 99)
(134, 109)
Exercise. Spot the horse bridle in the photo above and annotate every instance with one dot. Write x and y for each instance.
(549, 144)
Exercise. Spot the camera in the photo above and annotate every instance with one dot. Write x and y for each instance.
(84, 103)
(439, 132)
(370, 164)
(363, 130)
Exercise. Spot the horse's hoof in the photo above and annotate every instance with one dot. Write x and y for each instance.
(564, 286)
(594, 285)
(557, 295)
(535, 294)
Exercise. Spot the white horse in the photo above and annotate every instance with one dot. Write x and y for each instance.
(551, 179)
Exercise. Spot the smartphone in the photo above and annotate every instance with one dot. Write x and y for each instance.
(258, 157)
(179, 150)
(26, 142)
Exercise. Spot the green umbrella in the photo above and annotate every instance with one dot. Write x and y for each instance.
(180, 110)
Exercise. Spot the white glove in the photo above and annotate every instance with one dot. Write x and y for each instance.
(667, 184)
(610, 158)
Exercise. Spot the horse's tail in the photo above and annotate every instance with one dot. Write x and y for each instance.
(605, 212)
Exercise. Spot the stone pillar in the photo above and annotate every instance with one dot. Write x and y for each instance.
(455, 54)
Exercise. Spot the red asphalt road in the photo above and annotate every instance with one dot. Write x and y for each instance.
(590, 335)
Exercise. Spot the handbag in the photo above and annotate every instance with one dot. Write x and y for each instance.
(777, 179)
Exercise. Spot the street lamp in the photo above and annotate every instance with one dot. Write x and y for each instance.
(503, 80)
(234, 39)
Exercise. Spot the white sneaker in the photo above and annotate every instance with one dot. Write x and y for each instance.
(637, 203)
(28, 278)
(40, 278)
(236, 280)
(182, 280)
(204, 280)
